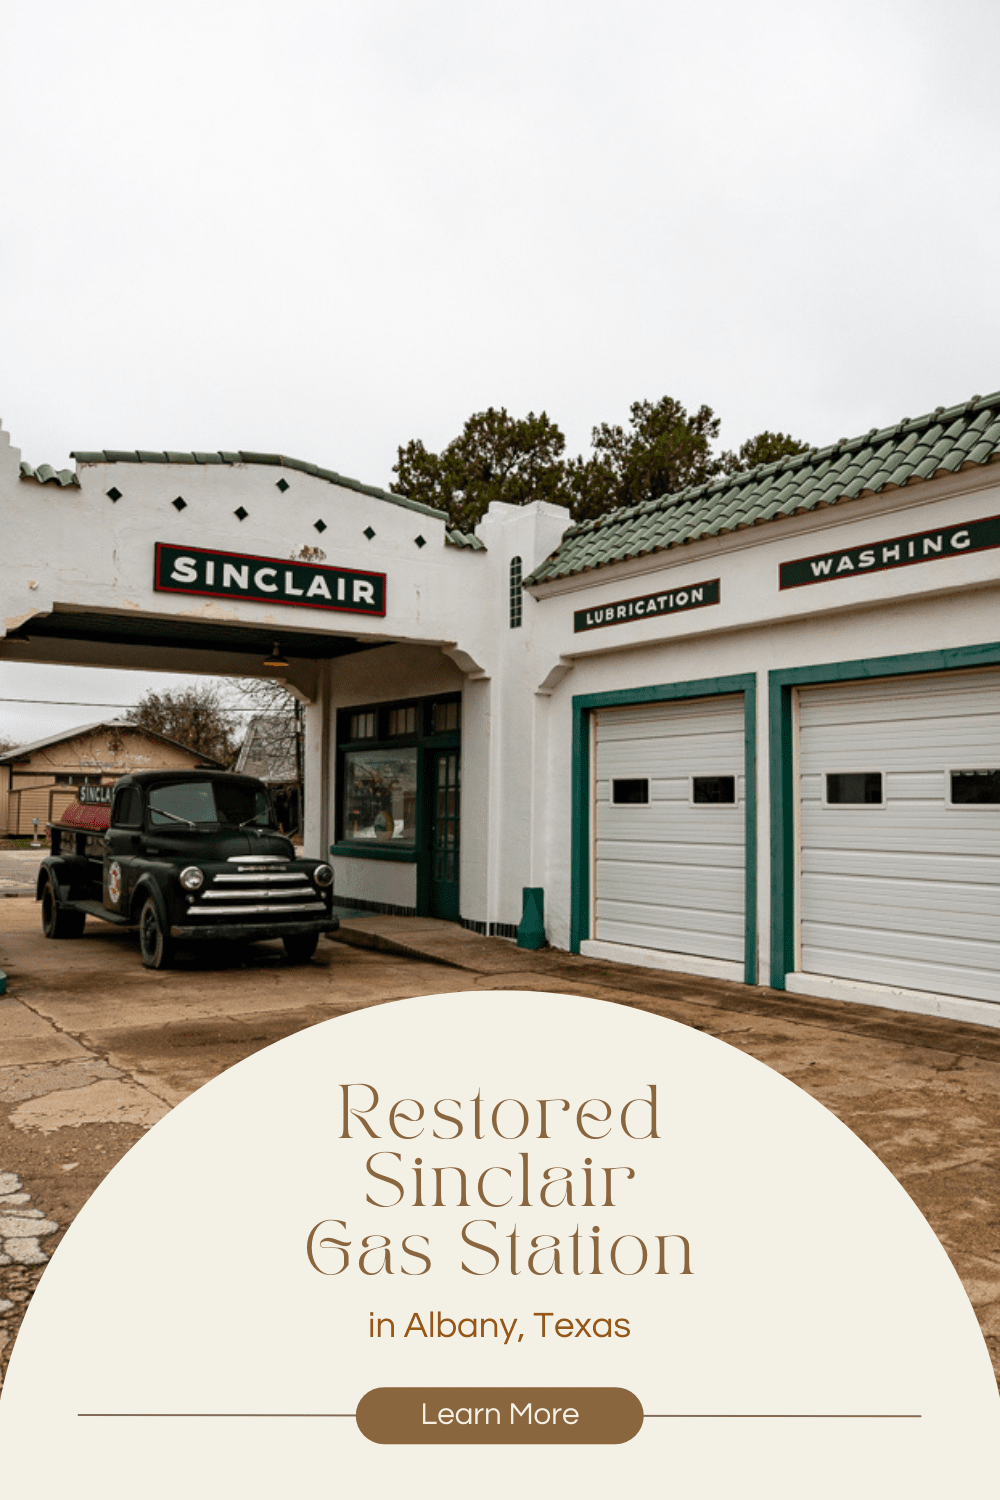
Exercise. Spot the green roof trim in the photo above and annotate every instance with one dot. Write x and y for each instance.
(146, 456)
(46, 474)
(943, 441)
(463, 539)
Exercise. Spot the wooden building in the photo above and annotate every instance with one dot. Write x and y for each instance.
(40, 779)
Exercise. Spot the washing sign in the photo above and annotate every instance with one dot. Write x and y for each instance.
(897, 552)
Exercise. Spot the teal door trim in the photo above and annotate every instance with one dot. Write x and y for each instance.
(584, 705)
(782, 786)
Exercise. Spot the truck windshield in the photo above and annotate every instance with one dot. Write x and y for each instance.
(210, 804)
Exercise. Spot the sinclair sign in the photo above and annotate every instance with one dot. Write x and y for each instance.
(271, 580)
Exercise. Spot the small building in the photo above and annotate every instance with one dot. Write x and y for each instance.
(271, 752)
(41, 779)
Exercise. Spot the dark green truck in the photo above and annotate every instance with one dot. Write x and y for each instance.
(183, 856)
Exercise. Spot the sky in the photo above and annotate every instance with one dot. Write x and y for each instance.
(324, 229)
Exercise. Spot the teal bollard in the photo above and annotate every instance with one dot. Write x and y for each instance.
(531, 932)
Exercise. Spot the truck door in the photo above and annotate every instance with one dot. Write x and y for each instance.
(122, 845)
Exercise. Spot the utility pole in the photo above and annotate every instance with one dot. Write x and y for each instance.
(299, 773)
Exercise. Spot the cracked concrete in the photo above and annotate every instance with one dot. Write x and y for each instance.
(94, 1049)
(19, 870)
(117, 1100)
(22, 1228)
(33, 1081)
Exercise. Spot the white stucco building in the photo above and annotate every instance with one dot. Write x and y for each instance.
(751, 729)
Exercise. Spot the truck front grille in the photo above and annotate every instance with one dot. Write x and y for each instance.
(257, 892)
(316, 907)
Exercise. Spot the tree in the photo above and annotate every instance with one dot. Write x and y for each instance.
(663, 449)
(194, 716)
(765, 448)
(275, 722)
(272, 744)
(495, 457)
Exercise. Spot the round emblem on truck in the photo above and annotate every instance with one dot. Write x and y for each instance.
(114, 882)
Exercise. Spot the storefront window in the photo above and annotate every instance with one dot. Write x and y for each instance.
(380, 796)
(402, 721)
(444, 717)
(363, 726)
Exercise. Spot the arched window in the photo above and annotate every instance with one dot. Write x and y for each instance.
(515, 592)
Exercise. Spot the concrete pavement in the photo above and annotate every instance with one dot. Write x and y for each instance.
(19, 871)
(94, 1049)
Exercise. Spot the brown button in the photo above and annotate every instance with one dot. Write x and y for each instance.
(499, 1414)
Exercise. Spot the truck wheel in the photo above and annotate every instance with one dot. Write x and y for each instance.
(57, 922)
(155, 945)
(301, 947)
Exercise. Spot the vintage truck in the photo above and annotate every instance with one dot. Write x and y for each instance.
(183, 856)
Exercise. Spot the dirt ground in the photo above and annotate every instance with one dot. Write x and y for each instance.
(94, 1049)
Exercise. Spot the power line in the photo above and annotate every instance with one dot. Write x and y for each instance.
(67, 703)
(76, 703)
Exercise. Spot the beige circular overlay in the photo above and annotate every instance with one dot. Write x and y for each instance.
(495, 1244)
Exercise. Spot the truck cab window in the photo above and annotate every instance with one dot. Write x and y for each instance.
(127, 811)
(207, 803)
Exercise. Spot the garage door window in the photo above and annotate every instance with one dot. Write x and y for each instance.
(854, 789)
(974, 788)
(713, 791)
(633, 791)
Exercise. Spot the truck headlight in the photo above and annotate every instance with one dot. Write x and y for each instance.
(323, 875)
(192, 879)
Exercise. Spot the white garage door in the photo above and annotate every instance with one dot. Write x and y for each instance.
(670, 811)
(900, 832)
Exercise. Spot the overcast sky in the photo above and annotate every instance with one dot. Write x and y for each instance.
(325, 228)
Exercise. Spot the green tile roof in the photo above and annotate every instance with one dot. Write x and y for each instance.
(463, 539)
(46, 474)
(944, 441)
(147, 456)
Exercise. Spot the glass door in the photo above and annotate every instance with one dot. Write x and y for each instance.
(445, 834)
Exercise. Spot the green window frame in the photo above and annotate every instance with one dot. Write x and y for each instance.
(584, 705)
(516, 594)
(388, 718)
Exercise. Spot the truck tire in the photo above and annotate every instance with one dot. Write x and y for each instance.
(57, 921)
(155, 944)
(301, 946)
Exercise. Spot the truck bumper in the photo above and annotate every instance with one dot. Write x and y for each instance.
(252, 932)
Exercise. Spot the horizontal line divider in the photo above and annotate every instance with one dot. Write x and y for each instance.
(846, 1416)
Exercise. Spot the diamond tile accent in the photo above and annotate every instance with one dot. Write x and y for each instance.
(113, 494)
(230, 456)
(240, 513)
(421, 541)
(282, 485)
(319, 526)
(179, 504)
(368, 532)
